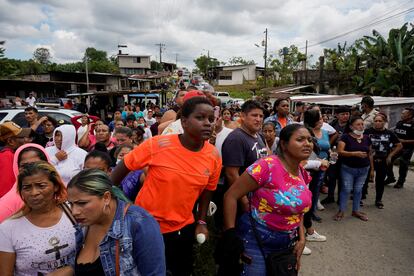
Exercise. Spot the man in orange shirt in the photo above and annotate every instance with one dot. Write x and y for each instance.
(182, 169)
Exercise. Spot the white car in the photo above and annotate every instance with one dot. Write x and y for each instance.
(235, 101)
(17, 115)
(223, 96)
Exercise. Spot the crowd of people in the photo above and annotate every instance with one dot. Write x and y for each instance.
(133, 195)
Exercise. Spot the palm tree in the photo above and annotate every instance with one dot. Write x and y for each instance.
(389, 62)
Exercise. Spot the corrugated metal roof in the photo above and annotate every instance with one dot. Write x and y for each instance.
(288, 89)
(351, 99)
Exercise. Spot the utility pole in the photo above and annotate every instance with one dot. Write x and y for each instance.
(306, 61)
(208, 63)
(86, 70)
(160, 45)
(265, 59)
(176, 60)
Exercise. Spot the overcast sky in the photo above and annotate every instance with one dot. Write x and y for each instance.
(188, 28)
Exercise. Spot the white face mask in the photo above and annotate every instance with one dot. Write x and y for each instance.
(358, 132)
(118, 160)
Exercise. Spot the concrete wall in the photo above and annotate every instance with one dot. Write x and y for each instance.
(113, 84)
(128, 62)
(239, 74)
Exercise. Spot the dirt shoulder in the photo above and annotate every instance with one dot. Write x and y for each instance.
(382, 246)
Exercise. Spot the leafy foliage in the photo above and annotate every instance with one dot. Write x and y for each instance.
(2, 49)
(240, 61)
(285, 62)
(389, 62)
(42, 56)
(204, 62)
(97, 62)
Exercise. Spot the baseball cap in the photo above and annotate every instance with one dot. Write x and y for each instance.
(342, 109)
(192, 94)
(11, 129)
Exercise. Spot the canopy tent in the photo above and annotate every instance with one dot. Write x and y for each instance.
(392, 106)
(351, 99)
(144, 95)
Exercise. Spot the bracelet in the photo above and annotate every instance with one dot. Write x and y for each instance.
(201, 222)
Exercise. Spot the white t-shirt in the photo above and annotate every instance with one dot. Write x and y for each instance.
(81, 131)
(147, 134)
(325, 126)
(31, 101)
(39, 251)
(150, 122)
(328, 128)
(221, 136)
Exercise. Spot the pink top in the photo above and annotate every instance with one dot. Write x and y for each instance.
(11, 202)
(282, 198)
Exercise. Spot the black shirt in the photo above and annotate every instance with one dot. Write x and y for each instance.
(405, 130)
(382, 141)
(241, 149)
(90, 269)
(339, 129)
(352, 144)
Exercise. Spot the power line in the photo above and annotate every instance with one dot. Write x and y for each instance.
(389, 12)
(161, 45)
(363, 27)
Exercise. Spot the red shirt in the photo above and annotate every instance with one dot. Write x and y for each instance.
(6, 164)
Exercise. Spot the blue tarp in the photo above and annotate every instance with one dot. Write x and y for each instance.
(142, 95)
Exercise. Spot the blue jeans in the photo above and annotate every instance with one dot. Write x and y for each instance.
(320, 175)
(272, 241)
(352, 179)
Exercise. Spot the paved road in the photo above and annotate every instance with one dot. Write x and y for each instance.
(382, 246)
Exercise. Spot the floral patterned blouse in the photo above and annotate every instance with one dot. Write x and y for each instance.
(282, 198)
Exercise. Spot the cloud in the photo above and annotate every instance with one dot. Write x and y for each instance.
(189, 28)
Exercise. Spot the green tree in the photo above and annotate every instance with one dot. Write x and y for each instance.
(95, 55)
(98, 61)
(288, 60)
(389, 63)
(2, 50)
(240, 61)
(204, 62)
(42, 56)
(155, 65)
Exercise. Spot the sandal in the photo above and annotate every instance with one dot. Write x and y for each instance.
(339, 216)
(379, 205)
(360, 215)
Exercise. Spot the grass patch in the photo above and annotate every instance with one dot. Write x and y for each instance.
(243, 91)
(204, 264)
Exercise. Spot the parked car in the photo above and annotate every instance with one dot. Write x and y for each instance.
(235, 101)
(223, 96)
(205, 86)
(17, 115)
(196, 80)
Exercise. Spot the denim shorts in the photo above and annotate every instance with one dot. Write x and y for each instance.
(272, 241)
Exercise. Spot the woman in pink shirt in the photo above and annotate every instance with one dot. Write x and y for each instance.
(277, 188)
(11, 202)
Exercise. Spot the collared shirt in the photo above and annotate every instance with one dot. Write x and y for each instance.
(369, 118)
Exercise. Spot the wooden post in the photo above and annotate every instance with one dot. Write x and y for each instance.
(321, 68)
